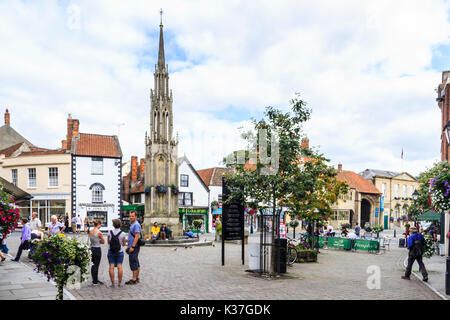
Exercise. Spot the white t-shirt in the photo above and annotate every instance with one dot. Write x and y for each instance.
(330, 229)
(35, 224)
(122, 236)
(78, 220)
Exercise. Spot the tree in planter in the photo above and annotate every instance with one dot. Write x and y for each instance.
(263, 179)
(377, 229)
(64, 260)
(197, 224)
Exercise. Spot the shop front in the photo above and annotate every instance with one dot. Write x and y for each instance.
(216, 217)
(45, 206)
(189, 215)
(125, 218)
(104, 212)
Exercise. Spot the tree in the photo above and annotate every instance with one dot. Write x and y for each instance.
(423, 202)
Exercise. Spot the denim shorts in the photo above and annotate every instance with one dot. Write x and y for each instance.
(115, 258)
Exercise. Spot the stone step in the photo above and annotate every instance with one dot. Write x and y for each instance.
(172, 241)
(185, 244)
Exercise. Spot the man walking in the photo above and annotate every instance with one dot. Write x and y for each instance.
(357, 229)
(133, 247)
(415, 244)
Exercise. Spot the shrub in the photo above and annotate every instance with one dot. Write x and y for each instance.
(197, 224)
(60, 258)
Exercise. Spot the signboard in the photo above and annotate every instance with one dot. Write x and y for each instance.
(365, 245)
(376, 211)
(382, 203)
(193, 210)
(232, 220)
(283, 230)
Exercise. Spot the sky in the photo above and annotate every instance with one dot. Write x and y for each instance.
(367, 69)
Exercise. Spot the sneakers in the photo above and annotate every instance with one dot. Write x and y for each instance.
(131, 282)
(137, 280)
(425, 279)
(97, 283)
(406, 278)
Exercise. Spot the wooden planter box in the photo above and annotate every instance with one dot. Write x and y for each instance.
(306, 256)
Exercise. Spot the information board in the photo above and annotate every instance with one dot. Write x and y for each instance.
(232, 217)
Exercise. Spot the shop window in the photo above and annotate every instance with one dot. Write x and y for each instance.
(219, 198)
(184, 180)
(185, 198)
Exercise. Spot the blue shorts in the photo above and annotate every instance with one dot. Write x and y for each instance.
(134, 260)
(115, 258)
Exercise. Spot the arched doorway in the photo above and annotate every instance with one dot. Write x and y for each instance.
(365, 212)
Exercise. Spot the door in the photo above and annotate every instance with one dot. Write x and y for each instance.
(365, 212)
(386, 222)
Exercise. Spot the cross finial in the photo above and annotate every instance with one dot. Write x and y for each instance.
(161, 13)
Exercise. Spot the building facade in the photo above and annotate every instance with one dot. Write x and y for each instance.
(396, 191)
(359, 205)
(96, 173)
(443, 100)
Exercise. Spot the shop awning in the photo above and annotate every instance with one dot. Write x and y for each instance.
(137, 207)
(430, 215)
(17, 193)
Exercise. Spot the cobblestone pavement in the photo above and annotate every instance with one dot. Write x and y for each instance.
(196, 273)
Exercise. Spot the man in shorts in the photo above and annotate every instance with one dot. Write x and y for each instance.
(133, 247)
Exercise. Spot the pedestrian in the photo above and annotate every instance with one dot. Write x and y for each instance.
(357, 229)
(415, 244)
(35, 223)
(54, 227)
(78, 224)
(96, 239)
(155, 231)
(24, 240)
(86, 224)
(3, 247)
(133, 247)
(66, 222)
(116, 240)
(73, 225)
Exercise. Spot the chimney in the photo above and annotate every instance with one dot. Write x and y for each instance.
(142, 168)
(134, 168)
(76, 127)
(69, 132)
(64, 144)
(7, 117)
(340, 167)
(305, 143)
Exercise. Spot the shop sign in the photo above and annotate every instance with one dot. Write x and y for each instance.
(218, 211)
(283, 230)
(193, 211)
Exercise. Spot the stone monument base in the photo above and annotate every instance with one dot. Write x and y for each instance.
(173, 223)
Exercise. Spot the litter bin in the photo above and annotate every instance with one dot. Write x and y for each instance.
(347, 244)
(280, 253)
(253, 256)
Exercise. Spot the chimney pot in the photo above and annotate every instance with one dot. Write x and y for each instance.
(340, 167)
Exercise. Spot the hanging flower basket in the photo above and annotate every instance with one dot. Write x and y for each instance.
(9, 216)
(161, 188)
(147, 189)
(174, 189)
(440, 191)
(391, 219)
(215, 205)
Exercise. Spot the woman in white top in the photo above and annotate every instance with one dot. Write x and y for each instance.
(116, 240)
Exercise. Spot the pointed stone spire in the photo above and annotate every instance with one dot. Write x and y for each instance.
(161, 59)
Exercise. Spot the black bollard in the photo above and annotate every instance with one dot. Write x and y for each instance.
(395, 232)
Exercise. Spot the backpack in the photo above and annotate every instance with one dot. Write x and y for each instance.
(417, 248)
(115, 242)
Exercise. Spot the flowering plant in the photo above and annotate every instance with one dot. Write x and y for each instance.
(429, 248)
(440, 191)
(161, 188)
(9, 216)
(65, 260)
(391, 219)
(174, 189)
(147, 189)
(294, 223)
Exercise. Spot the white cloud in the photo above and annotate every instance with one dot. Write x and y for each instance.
(364, 68)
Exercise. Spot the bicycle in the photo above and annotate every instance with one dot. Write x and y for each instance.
(292, 245)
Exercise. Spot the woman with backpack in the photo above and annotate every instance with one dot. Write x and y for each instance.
(116, 240)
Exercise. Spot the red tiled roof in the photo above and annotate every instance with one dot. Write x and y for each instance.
(357, 182)
(42, 153)
(10, 150)
(97, 145)
(213, 176)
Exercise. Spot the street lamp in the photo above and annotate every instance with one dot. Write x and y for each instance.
(415, 195)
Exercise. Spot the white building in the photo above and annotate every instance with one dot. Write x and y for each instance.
(193, 196)
(96, 182)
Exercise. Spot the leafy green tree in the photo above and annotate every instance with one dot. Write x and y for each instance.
(422, 203)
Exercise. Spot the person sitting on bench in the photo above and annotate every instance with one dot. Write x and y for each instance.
(164, 232)
(155, 231)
